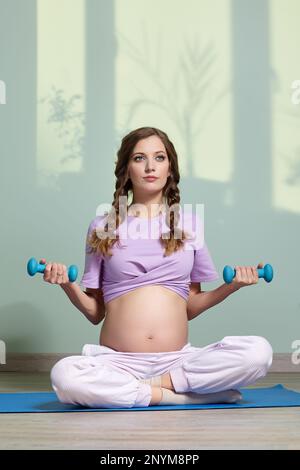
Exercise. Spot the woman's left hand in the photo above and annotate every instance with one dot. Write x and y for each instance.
(246, 276)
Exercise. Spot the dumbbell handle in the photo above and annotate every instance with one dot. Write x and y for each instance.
(33, 267)
(266, 273)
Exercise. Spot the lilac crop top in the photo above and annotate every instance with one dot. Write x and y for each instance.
(139, 260)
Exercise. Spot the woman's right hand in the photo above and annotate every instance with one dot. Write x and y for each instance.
(55, 273)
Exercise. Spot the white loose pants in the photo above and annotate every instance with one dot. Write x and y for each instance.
(105, 378)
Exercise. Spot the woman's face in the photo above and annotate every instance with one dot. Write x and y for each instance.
(149, 158)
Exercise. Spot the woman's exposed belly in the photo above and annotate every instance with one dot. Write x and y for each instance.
(148, 319)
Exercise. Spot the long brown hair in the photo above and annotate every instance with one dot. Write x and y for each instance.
(100, 240)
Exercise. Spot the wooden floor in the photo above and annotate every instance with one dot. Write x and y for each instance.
(257, 428)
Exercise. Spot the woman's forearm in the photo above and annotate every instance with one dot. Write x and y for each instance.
(86, 304)
(200, 302)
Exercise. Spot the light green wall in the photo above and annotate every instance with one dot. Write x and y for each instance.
(216, 75)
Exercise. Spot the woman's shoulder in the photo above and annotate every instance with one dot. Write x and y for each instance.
(193, 226)
(98, 221)
(191, 218)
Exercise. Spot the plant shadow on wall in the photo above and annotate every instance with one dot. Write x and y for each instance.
(70, 124)
(195, 76)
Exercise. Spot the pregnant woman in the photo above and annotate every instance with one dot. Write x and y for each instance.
(144, 265)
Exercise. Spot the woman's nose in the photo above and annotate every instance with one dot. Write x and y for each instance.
(149, 168)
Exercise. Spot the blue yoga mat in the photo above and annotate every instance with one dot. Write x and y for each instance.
(47, 402)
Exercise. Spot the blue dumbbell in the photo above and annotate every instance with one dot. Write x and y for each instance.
(266, 272)
(33, 267)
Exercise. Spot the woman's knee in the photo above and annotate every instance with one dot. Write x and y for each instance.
(259, 355)
(77, 381)
(63, 376)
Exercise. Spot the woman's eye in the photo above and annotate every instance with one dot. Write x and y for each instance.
(158, 156)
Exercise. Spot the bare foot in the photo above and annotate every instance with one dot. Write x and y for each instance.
(156, 396)
(166, 381)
